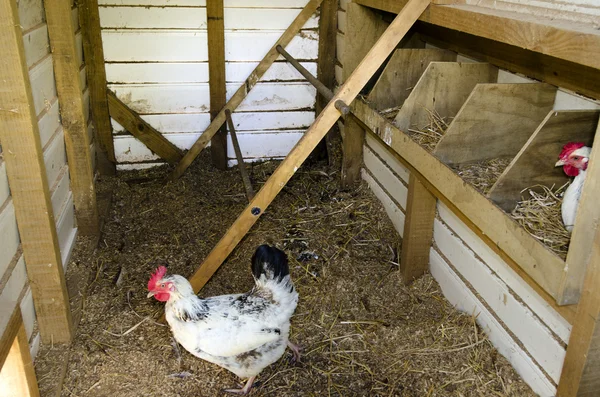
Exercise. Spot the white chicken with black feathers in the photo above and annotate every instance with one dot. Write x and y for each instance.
(243, 333)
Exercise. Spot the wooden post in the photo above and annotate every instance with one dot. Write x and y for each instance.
(89, 19)
(70, 97)
(245, 88)
(418, 230)
(216, 79)
(28, 183)
(17, 376)
(364, 28)
(580, 371)
(240, 158)
(351, 88)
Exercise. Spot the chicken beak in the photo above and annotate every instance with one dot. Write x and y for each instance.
(151, 294)
(559, 163)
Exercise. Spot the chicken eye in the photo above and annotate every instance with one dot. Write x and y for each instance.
(576, 158)
(162, 285)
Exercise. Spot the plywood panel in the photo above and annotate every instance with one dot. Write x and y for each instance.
(197, 72)
(9, 242)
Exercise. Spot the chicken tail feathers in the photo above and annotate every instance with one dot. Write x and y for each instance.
(270, 262)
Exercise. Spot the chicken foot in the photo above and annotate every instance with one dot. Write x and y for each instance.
(245, 390)
(295, 351)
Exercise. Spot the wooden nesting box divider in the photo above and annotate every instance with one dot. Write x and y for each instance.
(401, 74)
(444, 87)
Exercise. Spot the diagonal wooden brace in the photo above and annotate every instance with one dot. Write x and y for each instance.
(351, 88)
(243, 91)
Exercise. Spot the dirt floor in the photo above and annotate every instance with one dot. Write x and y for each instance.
(363, 332)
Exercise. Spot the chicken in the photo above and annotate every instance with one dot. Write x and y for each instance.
(243, 333)
(574, 159)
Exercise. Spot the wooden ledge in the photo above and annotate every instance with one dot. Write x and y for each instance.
(567, 40)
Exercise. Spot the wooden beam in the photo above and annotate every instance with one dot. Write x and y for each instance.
(72, 114)
(418, 230)
(580, 371)
(347, 92)
(570, 75)
(17, 375)
(245, 88)
(10, 321)
(364, 27)
(89, 20)
(216, 78)
(26, 171)
(143, 131)
(570, 41)
(240, 158)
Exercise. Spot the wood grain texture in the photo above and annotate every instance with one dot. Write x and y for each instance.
(402, 73)
(143, 131)
(580, 370)
(495, 121)
(239, 157)
(243, 91)
(72, 112)
(534, 164)
(216, 71)
(11, 322)
(418, 230)
(351, 88)
(500, 232)
(26, 172)
(89, 19)
(443, 87)
(364, 27)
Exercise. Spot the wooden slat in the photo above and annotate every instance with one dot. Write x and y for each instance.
(143, 131)
(566, 40)
(72, 112)
(531, 259)
(582, 364)
(11, 321)
(243, 91)
(89, 19)
(26, 172)
(534, 164)
(495, 121)
(351, 88)
(216, 71)
(364, 27)
(418, 230)
(239, 157)
(402, 73)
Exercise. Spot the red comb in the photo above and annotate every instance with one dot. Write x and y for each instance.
(156, 276)
(570, 147)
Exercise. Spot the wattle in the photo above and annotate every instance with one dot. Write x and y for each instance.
(162, 297)
(570, 170)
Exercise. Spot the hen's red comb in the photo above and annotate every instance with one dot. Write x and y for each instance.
(156, 276)
(570, 147)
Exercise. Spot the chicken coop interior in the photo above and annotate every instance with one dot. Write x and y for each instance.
(404, 190)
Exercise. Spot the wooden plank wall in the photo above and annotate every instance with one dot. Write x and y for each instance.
(157, 63)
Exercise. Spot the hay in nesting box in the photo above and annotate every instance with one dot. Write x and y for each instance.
(483, 174)
(390, 113)
(541, 217)
(429, 135)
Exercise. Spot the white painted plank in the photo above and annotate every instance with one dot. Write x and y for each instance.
(339, 75)
(43, 87)
(386, 178)
(14, 286)
(197, 72)
(568, 101)
(344, 4)
(171, 123)
(36, 44)
(195, 18)
(28, 312)
(340, 41)
(34, 345)
(535, 337)
(83, 78)
(66, 230)
(341, 18)
(173, 45)
(537, 304)
(31, 13)
(4, 188)
(393, 211)
(86, 104)
(506, 77)
(9, 243)
(49, 122)
(59, 192)
(55, 157)
(388, 158)
(75, 19)
(79, 47)
(138, 166)
(459, 295)
(202, 3)
(194, 98)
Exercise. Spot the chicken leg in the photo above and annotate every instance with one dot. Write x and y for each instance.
(245, 390)
(295, 351)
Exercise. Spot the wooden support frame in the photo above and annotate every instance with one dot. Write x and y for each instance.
(245, 88)
(70, 98)
(240, 158)
(28, 182)
(89, 20)
(16, 366)
(216, 79)
(421, 205)
(348, 91)
(143, 131)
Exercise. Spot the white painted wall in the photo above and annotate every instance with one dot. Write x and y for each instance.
(157, 63)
